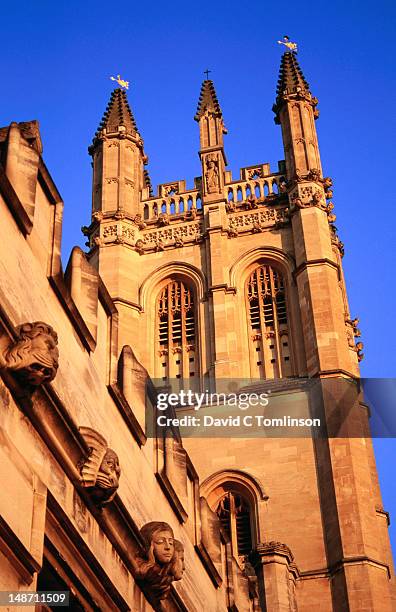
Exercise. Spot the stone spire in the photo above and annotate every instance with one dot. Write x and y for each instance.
(211, 130)
(118, 112)
(291, 79)
(208, 101)
(295, 110)
(119, 178)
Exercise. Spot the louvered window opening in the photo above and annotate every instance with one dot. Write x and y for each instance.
(270, 354)
(176, 332)
(234, 514)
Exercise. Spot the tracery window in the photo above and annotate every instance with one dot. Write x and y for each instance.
(177, 346)
(234, 513)
(270, 354)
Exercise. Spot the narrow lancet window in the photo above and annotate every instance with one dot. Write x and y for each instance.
(177, 350)
(270, 354)
(235, 516)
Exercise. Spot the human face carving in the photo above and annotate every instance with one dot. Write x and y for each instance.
(178, 565)
(109, 471)
(163, 546)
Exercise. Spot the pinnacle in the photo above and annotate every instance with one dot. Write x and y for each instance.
(208, 100)
(291, 78)
(118, 112)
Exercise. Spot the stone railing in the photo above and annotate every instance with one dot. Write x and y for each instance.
(259, 188)
(171, 205)
(172, 199)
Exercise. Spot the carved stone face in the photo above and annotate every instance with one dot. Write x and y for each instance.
(163, 546)
(109, 471)
(178, 566)
(34, 357)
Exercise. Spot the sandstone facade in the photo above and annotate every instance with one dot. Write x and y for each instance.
(235, 280)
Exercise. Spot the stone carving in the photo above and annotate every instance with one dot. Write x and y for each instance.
(159, 245)
(163, 219)
(139, 246)
(308, 196)
(128, 233)
(358, 349)
(33, 357)
(109, 231)
(251, 202)
(336, 240)
(97, 216)
(188, 232)
(191, 214)
(327, 183)
(170, 189)
(256, 220)
(178, 567)
(97, 241)
(100, 471)
(354, 324)
(313, 174)
(179, 242)
(139, 222)
(119, 214)
(253, 173)
(232, 232)
(230, 206)
(212, 174)
(156, 566)
(316, 198)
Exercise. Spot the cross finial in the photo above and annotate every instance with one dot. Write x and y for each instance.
(288, 43)
(121, 82)
(207, 73)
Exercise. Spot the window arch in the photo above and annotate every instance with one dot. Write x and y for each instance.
(268, 323)
(176, 332)
(234, 495)
(234, 512)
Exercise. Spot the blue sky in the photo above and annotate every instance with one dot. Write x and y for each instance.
(56, 61)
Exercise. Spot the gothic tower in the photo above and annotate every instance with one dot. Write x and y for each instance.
(241, 279)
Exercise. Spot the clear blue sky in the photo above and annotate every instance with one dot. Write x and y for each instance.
(57, 58)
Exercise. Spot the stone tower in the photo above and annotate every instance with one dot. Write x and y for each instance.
(242, 279)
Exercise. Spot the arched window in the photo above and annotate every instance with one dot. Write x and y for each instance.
(270, 354)
(177, 345)
(234, 513)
